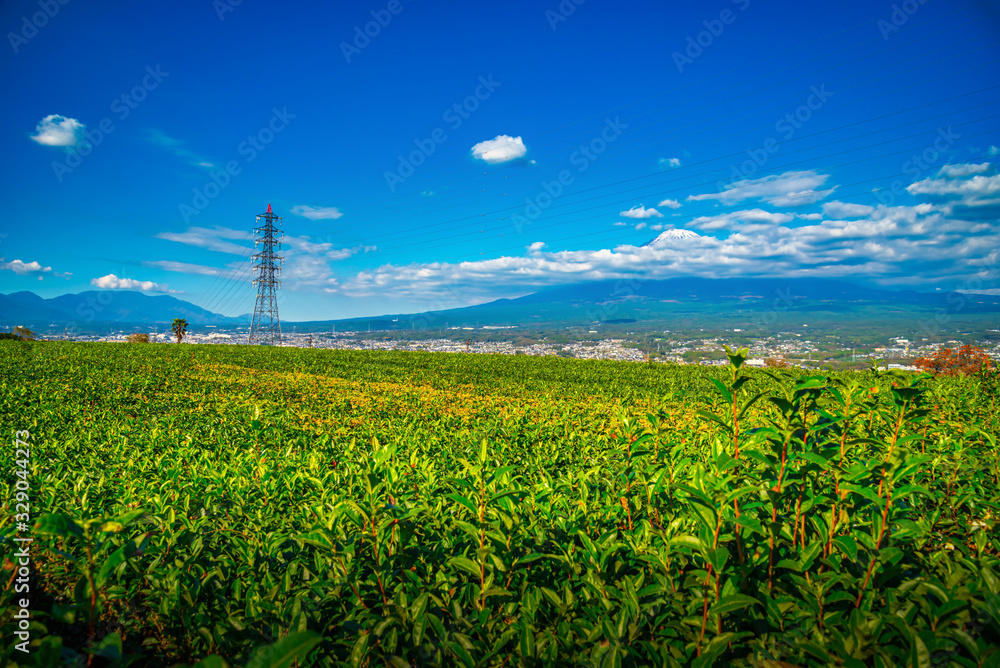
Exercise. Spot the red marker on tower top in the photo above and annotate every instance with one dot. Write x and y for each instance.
(269, 208)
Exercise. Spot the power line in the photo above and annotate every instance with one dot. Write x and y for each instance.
(230, 299)
(660, 191)
(743, 95)
(464, 257)
(846, 104)
(223, 276)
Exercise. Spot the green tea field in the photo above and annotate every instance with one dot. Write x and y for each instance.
(229, 505)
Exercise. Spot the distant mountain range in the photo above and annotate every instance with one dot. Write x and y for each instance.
(690, 301)
(105, 306)
(686, 300)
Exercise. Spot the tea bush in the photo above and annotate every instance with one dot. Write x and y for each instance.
(253, 506)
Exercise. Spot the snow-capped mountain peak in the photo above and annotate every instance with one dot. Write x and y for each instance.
(672, 235)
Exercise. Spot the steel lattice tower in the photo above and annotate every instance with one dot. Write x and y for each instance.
(266, 327)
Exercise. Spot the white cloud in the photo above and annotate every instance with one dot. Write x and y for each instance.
(22, 268)
(994, 150)
(317, 212)
(966, 169)
(187, 268)
(536, 247)
(112, 282)
(306, 266)
(784, 190)
(641, 212)
(56, 130)
(894, 245)
(801, 198)
(501, 149)
(620, 224)
(216, 239)
(670, 204)
(969, 189)
(670, 162)
(838, 209)
(809, 216)
(178, 147)
(640, 226)
(758, 217)
(307, 262)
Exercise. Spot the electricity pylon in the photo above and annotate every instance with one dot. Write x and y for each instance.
(265, 327)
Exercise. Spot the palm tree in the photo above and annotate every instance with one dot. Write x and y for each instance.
(179, 328)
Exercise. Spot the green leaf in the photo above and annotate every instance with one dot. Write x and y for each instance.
(716, 419)
(746, 407)
(316, 538)
(466, 564)
(58, 524)
(688, 541)
(528, 558)
(527, 643)
(717, 557)
(848, 546)
(733, 602)
(282, 654)
(419, 626)
(358, 651)
(464, 501)
(110, 647)
(949, 609)
(462, 654)
(504, 495)
(723, 390)
(112, 562)
(813, 458)
(920, 655)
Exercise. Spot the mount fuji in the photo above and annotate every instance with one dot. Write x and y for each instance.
(668, 236)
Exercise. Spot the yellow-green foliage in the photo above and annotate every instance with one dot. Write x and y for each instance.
(357, 508)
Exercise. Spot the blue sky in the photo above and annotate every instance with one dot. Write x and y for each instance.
(462, 152)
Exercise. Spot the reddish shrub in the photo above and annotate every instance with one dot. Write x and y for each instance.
(966, 360)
